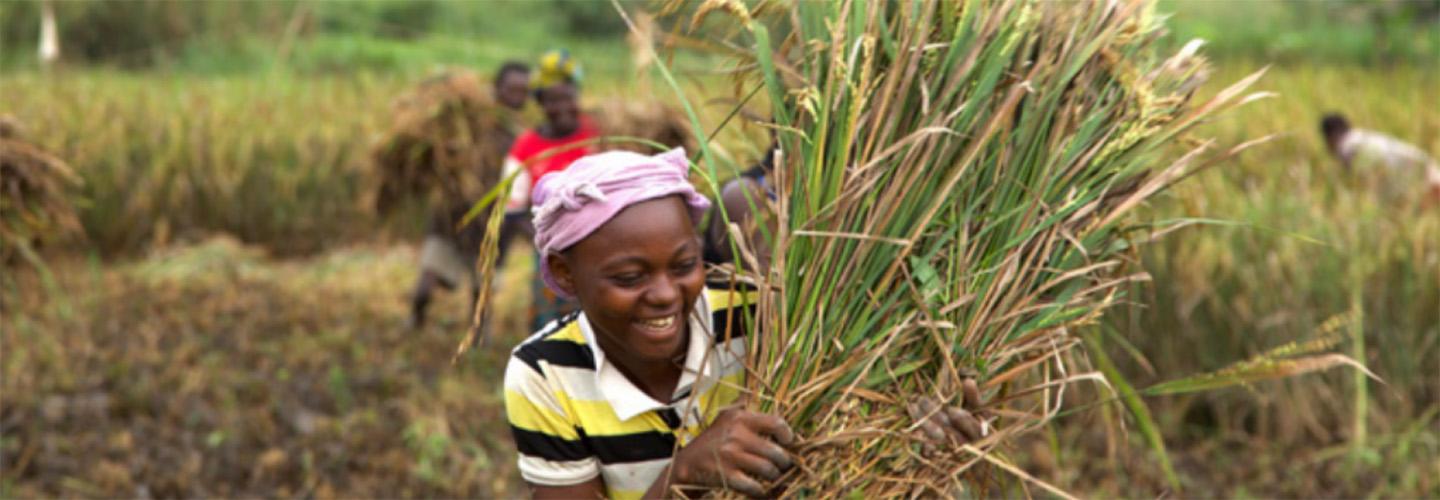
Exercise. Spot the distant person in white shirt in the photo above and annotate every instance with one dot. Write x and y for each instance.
(1403, 167)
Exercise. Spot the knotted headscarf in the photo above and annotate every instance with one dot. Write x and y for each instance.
(556, 67)
(572, 203)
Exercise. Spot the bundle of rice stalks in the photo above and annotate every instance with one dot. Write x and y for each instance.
(624, 120)
(35, 190)
(954, 198)
(447, 141)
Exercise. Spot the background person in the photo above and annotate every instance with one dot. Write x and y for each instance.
(565, 136)
(447, 256)
(1400, 166)
(743, 198)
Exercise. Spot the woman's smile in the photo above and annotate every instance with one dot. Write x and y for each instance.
(638, 277)
(662, 330)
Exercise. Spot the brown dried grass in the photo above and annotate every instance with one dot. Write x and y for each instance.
(35, 197)
(646, 120)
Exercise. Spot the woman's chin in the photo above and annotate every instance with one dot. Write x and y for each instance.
(657, 344)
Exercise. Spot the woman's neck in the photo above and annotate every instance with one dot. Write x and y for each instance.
(657, 379)
(549, 131)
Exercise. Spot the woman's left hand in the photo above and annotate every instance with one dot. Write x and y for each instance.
(956, 425)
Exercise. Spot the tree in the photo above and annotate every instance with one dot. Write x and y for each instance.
(49, 35)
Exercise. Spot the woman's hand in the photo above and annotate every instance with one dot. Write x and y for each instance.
(739, 451)
(955, 425)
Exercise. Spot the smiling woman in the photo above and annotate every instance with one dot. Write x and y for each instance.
(635, 394)
(599, 401)
(639, 276)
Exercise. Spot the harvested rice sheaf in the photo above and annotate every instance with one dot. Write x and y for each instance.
(448, 139)
(447, 142)
(623, 120)
(954, 197)
(35, 197)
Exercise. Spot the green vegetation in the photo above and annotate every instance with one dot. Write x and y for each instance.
(307, 37)
(1364, 32)
(1300, 249)
(279, 160)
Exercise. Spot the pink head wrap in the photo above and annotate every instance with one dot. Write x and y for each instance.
(572, 203)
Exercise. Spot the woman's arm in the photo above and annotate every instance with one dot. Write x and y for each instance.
(738, 197)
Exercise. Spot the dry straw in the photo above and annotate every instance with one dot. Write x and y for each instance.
(447, 141)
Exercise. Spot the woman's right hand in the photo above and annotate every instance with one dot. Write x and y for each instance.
(738, 451)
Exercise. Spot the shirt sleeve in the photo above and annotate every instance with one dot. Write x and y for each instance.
(519, 200)
(551, 451)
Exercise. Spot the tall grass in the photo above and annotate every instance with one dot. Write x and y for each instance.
(278, 159)
(273, 160)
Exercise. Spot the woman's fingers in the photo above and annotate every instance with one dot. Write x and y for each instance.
(755, 444)
(757, 466)
(923, 411)
(965, 422)
(773, 453)
(971, 390)
(774, 427)
(743, 484)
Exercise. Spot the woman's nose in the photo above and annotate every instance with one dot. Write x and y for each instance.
(663, 292)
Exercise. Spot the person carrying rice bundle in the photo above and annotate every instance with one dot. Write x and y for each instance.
(565, 136)
(637, 393)
(447, 256)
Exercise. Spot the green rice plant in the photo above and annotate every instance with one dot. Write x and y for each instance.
(1303, 240)
(954, 198)
(276, 160)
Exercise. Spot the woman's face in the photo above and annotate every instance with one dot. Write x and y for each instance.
(637, 278)
(561, 104)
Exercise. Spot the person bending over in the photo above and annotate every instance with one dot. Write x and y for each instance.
(1400, 166)
(638, 390)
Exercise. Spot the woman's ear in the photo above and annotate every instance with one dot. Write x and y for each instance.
(561, 271)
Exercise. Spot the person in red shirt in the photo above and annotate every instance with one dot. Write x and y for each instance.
(565, 136)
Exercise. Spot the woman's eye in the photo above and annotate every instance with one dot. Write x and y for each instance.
(686, 265)
(627, 279)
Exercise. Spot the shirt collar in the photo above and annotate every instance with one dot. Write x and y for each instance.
(628, 400)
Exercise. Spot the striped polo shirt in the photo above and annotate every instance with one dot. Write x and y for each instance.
(574, 416)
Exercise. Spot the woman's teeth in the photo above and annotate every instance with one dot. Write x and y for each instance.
(659, 323)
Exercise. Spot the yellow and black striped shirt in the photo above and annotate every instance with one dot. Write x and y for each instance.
(575, 417)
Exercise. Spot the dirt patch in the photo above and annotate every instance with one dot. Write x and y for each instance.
(212, 370)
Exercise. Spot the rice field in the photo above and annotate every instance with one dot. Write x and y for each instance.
(231, 325)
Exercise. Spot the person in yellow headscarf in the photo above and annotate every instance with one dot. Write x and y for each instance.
(565, 136)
